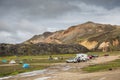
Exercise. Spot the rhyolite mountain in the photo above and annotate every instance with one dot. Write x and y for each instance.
(84, 37)
(93, 36)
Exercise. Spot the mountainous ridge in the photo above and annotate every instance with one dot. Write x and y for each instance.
(81, 30)
(84, 37)
(88, 34)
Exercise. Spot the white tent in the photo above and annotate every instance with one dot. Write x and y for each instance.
(12, 62)
(55, 58)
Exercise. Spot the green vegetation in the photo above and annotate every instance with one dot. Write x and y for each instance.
(36, 63)
(103, 53)
(103, 67)
(16, 69)
(46, 56)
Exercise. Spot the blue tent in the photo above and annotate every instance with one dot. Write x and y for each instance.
(26, 65)
(4, 61)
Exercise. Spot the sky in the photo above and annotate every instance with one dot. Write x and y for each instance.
(22, 19)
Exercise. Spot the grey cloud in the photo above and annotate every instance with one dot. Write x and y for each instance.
(109, 4)
(36, 8)
(4, 26)
(21, 19)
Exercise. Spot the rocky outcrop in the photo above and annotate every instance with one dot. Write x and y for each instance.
(40, 48)
(89, 45)
(7, 49)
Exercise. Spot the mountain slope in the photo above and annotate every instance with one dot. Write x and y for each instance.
(89, 34)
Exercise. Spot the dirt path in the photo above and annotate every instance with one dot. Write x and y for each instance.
(78, 75)
(108, 75)
(9, 64)
(70, 71)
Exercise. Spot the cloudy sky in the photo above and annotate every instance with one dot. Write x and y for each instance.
(22, 19)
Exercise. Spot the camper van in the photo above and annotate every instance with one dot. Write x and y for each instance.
(81, 57)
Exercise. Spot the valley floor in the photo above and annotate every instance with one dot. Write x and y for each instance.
(71, 71)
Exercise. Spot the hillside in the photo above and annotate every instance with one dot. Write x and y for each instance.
(91, 35)
(40, 48)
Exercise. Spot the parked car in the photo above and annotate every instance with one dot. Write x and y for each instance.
(93, 56)
(72, 60)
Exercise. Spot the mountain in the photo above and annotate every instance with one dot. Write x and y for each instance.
(84, 37)
(91, 35)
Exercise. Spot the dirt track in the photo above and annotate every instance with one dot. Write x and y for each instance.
(72, 71)
(78, 75)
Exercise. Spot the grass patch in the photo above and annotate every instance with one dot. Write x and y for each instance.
(36, 63)
(103, 67)
(37, 59)
(13, 70)
(103, 53)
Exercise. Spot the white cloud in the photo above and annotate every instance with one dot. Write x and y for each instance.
(6, 37)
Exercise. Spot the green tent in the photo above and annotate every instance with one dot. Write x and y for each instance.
(4, 61)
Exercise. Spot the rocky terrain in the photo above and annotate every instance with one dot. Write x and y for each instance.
(40, 48)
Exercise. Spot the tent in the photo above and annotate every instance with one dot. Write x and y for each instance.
(4, 61)
(56, 58)
(21, 62)
(26, 65)
(12, 62)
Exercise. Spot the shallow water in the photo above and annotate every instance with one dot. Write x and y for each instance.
(33, 73)
(3, 78)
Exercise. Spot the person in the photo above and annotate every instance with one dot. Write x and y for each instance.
(78, 59)
(50, 58)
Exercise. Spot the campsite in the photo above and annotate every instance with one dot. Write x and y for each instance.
(36, 63)
(59, 39)
(44, 63)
